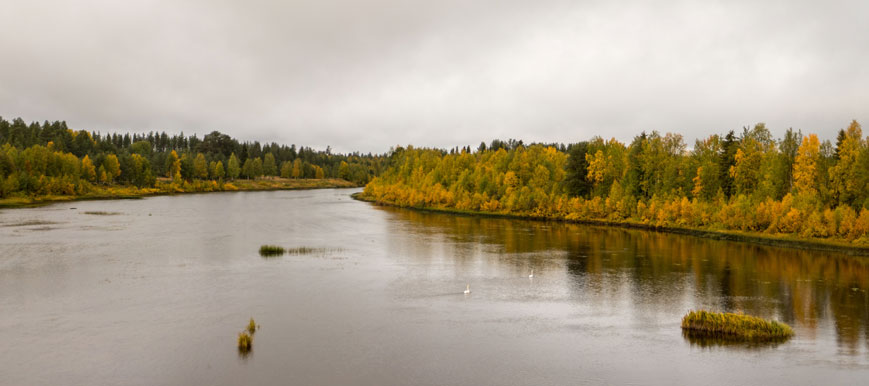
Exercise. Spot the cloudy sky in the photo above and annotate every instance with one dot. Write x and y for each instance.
(367, 75)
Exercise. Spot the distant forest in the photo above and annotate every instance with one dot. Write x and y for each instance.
(52, 159)
(796, 185)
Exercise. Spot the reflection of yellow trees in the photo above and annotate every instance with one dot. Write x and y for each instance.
(799, 287)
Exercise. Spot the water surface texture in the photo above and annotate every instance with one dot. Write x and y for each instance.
(154, 292)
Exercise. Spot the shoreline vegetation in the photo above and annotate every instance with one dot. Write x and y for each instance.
(132, 192)
(797, 191)
(732, 326)
(786, 241)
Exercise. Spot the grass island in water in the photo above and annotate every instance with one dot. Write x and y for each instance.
(734, 326)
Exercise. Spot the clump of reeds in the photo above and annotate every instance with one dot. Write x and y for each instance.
(245, 342)
(734, 326)
(271, 250)
(245, 337)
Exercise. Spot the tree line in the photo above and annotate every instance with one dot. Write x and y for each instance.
(749, 181)
(52, 159)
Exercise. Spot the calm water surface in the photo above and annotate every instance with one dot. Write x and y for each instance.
(155, 292)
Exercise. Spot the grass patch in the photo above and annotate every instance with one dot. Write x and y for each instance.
(734, 326)
(271, 250)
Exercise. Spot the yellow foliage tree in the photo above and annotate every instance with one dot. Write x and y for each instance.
(174, 162)
(806, 165)
(87, 169)
(844, 176)
(297, 168)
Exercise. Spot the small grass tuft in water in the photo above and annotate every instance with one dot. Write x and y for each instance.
(251, 327)
(271, 250)
(245, 342)
(734, 326)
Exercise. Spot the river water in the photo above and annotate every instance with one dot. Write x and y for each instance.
(154, 292)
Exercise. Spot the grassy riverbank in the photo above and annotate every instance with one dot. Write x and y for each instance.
(778, 240)
(165, 186)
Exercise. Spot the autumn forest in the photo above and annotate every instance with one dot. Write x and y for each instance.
(50, 159)
(798, 186)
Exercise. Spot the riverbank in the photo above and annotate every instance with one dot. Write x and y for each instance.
(165, 187)
(777, 240)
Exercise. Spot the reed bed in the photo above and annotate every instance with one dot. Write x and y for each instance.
(271, 250)
(734, 326)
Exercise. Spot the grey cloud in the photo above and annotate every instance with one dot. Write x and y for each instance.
(369, 75)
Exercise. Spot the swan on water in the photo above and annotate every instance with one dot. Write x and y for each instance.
(531, 276)
(468, 290)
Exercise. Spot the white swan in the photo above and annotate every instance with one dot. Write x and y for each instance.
(468, 290)
(531, 276)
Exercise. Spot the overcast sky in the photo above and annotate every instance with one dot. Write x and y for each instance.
(367, 75)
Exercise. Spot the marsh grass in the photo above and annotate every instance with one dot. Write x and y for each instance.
(734, 326)
(271, 250)
(251, 326)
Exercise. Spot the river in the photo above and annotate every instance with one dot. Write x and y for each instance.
(155, 291)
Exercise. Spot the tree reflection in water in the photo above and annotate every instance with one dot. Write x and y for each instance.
(666, 271)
